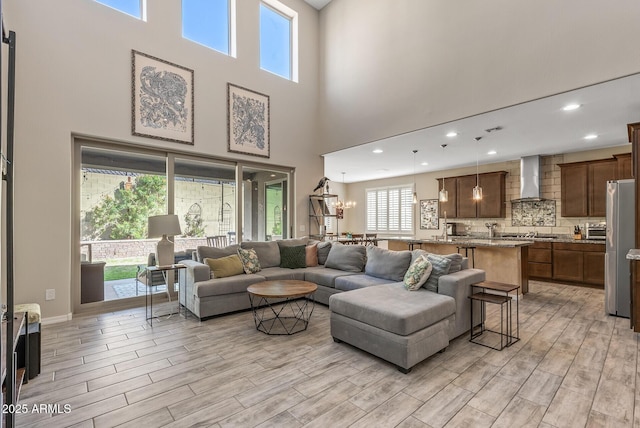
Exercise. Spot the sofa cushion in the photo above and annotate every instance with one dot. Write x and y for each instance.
(293, 257)
(417, 274)
(349, 258)
(323, 252)
(324, 276)
(225, 266)
(311, 255)
(268, 252)
(224, 286)
(387, 264)
(204, 252)
(392, 308)
(355, 281)
(277, 273)
(250, 261)
(293, 242)
(417, 253)
(440, 266)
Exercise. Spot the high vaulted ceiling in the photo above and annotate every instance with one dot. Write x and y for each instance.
(539, 127)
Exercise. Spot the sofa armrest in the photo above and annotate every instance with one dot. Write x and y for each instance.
(198, 271)
(458, 286)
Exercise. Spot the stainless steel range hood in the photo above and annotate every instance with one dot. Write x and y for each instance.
(530, 178)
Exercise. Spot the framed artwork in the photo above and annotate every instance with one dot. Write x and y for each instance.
(429, 214)
(161, 99)
(248, 121)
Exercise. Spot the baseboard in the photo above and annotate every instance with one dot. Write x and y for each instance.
(56, 320)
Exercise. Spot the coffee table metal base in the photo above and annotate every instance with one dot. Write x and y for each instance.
(277, 317)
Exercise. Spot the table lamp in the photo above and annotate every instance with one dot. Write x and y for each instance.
(164, 225)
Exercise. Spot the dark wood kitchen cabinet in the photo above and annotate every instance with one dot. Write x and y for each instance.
(624, 166)
(540, 262)
(583, 263)
(461, 203)
(584, 187)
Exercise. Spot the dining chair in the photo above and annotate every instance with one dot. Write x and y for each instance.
(371, 239)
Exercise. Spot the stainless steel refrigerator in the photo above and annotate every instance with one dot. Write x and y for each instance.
(620, 239)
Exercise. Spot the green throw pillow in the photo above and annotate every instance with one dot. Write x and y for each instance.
(440, 266)
(417, 274)
(250, 261)
(293, 257)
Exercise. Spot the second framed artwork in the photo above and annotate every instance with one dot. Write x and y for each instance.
(248, 121)
(429, 214)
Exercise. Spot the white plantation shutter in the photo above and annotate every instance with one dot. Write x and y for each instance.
(390, 209)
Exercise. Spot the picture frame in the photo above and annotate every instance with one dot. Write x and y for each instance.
(162, 104)
(248, 122)
(429, 218)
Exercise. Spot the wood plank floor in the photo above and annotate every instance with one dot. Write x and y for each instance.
(574, 367)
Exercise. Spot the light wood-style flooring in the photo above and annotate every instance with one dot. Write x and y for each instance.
(574, 367)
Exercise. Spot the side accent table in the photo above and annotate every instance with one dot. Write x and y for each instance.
(148, 301)
(496, 296)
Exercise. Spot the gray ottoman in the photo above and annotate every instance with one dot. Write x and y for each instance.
(399, 326)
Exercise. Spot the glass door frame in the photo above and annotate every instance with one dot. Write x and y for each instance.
(170, 154)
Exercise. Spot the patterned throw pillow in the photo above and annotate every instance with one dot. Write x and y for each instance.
(293, 257)
(417, 274)
(250, 261)
(440, 266)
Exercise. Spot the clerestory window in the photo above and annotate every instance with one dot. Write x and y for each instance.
(135, 8)
(279, 39)
(210, 23)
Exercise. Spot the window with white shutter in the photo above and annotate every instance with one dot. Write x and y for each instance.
(390, 209)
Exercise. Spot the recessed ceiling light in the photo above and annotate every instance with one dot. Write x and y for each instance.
(570, 107)
(591, 136)
(492, 152)
(424, 163)
(377, 151)
(452, 134)
(273, 175)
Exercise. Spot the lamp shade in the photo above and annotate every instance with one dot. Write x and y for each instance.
(167, 224)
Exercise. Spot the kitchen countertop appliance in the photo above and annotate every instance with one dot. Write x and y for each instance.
(620, 238)
(452, 229)
(596, 230)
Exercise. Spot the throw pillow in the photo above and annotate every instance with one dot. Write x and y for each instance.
(323, 252)
(456, 262)
(417, 274)
(249, 259)
(225, 266)
(440, 266)
(311, 255)
(349, 258)
(293, 242)
(293, 257)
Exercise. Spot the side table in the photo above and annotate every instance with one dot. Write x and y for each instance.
(507, 338)
(148, 301)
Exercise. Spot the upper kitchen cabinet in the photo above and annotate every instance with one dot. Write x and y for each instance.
(624, 166)
(461, 203)
(584, 187)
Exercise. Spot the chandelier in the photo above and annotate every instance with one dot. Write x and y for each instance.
(341, 205)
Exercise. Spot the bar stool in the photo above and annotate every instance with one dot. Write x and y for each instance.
(466, 253)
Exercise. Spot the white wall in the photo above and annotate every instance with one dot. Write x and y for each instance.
(74, 76)
(396, 66)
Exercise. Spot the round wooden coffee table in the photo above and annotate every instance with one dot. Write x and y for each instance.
(283, 306)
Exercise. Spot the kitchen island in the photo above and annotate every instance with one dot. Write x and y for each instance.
(503, 260)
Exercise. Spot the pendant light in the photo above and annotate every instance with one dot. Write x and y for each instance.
(477, 191)
(443, 195)
(415, 194)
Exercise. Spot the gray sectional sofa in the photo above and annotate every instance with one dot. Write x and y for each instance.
(341, 268)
